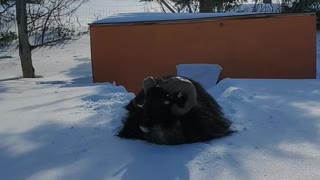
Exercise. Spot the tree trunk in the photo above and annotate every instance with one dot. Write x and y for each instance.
(206, 6)
(168, 6)
(24, 45)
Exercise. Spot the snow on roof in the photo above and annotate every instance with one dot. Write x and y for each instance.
(155, 17)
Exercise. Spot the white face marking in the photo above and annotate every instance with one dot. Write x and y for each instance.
(166, 102)
(140, 106)
(179, 95)
(144, 129)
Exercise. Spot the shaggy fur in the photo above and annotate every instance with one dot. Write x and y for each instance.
(205, 121)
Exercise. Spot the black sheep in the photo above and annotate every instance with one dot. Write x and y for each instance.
(174, 110)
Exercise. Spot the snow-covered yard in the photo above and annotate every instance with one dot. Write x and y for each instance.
(62, 126)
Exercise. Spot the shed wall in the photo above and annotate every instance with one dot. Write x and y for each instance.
(280, 47)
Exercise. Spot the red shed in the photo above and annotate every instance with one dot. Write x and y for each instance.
(126, 48)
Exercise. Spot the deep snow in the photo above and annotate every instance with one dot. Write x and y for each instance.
(61, 126)
(66, 131)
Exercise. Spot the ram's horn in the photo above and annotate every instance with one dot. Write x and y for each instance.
(144, 129)
(136, 105)
(148, 83)
(140, 106)
(184, 86)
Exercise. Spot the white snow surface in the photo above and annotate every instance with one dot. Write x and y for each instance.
(61, 126)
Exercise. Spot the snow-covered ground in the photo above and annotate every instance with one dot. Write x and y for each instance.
(62, 126)
(98, 9)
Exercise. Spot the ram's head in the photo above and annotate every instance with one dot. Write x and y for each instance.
(165, 99)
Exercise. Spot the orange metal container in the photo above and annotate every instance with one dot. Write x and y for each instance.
(250, 46)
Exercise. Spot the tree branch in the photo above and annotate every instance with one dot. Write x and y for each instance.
(167, 6)
(51, 43)
(7, 8)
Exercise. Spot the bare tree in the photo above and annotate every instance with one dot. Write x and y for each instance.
(24, 45)
(7, 16)
(167, 5)
(44, 22)
(49, 22)
(5, 6)
(206, 6)
(194, 6)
